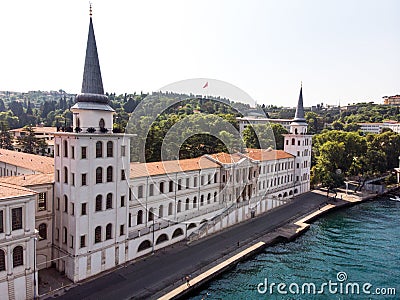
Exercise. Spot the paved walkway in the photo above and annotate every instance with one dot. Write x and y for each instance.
(162, 272)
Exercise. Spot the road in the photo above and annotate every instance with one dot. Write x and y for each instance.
(144, 278)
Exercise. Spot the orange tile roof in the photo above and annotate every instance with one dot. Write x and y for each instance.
(226, 158)
(38, 129)
(37, 163)
(171, 166)
(10, 190)
(265, 154)
(28, 180)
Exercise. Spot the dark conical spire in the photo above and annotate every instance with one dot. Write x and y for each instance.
(92, 84)
(299, 116)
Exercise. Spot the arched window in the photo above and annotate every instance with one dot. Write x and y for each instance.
(2, 261)
(177, 232)
(293, 141)
(139, 217)
(109, 174)
(170, 207)
(102, 123)
(194, 202)
(151, 215)
(201, 200)
(99, 175)
(109, 201)
(161, 187)
(99, 202)
(43, 231)
(208, 198)
(97, 234)
(215, 197)
(110, 147)
(65, 148)
(161, 211)
(65, 175)
(162, 238)
(144, 245)
(99, 149)
(187, 203)
(18, 256)
(64, 235)
(179, 208)
(108, 231)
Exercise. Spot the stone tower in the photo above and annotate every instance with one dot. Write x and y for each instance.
(91, 187)
(298, 143)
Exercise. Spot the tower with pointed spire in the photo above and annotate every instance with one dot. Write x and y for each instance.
(298, 143)
(91, 190)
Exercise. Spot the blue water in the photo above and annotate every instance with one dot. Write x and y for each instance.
(363, 241)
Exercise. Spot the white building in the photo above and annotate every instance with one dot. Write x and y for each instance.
(377, 127)
(108, 211)
(17, 242)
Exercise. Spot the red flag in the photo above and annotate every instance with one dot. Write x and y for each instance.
(206, 85)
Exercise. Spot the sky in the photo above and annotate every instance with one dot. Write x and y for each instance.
(343, 51)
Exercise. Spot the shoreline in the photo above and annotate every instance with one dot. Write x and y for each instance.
(288, 232)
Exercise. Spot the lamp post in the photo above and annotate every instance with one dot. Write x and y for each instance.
(34, 263)
(153, 231)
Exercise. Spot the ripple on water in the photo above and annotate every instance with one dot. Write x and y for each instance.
(363, 241)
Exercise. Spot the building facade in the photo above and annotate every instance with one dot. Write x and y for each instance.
(94, 209)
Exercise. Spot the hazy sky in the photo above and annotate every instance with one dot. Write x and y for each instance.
(343, 51)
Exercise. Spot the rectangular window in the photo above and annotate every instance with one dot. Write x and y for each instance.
(58, 203)
(84, 179)
(171, 186)
(297, 165)
(42, 201)
(130, 194)
(57, 234)
(122, 201)
(57, 150)
(179, 184)
(130, 220)
(195, 181)
(1, 222)
(72, 209)
(73, 179)
(215, 178)
(202, 180)
(83, 152)
(16, 215)
(140, 191)
(58, 175)
(83, 241)
(122, 174)
(83, 209)
(151, 190)
(123, 150)
(187, 182)
(72, 152)
(71, 241)
(121, 230)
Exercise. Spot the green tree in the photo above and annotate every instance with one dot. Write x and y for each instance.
(6, 141)
(29, 143)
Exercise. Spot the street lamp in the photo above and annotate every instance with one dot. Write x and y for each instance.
(34, 262)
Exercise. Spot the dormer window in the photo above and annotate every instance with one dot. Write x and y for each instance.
(102, 124)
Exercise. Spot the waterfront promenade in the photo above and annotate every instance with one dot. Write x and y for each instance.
(157, 274)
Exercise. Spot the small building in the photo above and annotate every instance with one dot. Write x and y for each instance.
(17, 242)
